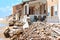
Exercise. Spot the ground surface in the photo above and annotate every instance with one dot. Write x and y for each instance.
(2, 35)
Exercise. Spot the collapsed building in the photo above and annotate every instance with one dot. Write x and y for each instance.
(36, 31)
(29, 21)
(38, 8)
(35, 10)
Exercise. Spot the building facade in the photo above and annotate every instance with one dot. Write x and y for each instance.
(37, 7)
(52, 11)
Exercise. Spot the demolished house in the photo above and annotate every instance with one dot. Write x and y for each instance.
(29, 21)
(36, 31)
(39, 9)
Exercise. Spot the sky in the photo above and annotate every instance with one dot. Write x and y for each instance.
(6, 7)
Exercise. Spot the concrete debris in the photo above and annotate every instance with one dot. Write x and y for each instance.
(36, 31)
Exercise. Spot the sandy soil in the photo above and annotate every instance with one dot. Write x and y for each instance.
(2, 37)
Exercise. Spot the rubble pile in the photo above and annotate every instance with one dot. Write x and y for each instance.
(36, 31)
(40, 31)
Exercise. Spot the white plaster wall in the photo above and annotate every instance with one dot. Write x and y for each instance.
(53, 19)
(43, 1)
(49, 11)
(59, 10)
(17, 16)
(27, 8)
(55, 9)
(37, 1)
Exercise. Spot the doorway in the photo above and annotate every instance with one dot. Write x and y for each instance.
(52, 11)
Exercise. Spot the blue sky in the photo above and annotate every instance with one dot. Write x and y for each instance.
(6, 7)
